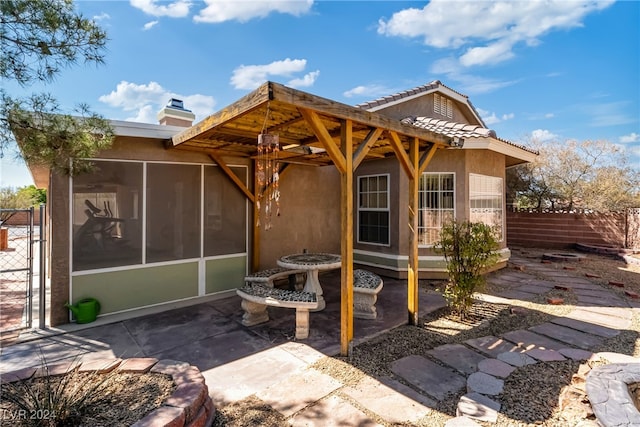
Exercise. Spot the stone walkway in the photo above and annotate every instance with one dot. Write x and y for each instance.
(481, 365)
(280, 374)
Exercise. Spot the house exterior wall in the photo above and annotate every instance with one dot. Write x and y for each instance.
(309, 215)
(422, 106)
(140, 285)
(392, 260)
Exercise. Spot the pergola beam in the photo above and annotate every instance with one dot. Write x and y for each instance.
(401, 154)
(365, 147)
(313, 120)
(232, 176)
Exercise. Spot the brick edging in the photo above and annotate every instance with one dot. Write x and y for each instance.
(189, 406)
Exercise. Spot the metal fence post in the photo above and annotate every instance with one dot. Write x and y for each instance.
(43, 273)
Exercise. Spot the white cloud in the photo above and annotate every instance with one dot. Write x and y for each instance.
(102, 17)
(631, 138)
(143, 101)
(306, 81)
(218, 11)
(467, 83)
(605, 114)
(371, 91)
(549, 116)
(176, 9)
(252, 76)
(543, 135)
(149, 25)
(489, 29)
(491, 118)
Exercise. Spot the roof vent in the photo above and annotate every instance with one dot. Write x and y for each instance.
(174, 114)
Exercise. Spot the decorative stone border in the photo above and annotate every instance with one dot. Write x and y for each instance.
(188, 406)
(607, 386)
(608, 390)
(562, 257)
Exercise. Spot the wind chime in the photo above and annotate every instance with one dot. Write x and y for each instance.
(267, 167)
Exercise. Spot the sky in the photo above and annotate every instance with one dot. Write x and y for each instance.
(534, 70)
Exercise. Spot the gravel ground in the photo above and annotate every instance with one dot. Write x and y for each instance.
(531, 393)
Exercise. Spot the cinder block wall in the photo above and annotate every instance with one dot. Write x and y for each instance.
(563, 230)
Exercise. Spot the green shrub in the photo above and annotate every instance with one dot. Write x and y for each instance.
(469, 249)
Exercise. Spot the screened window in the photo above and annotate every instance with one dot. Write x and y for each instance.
(436, 195)
(373, 209)
(173, 212)
(225, 217)
(485, 201)
(106, 216)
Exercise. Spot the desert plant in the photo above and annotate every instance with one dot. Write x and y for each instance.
(49, 400)
(469, 249)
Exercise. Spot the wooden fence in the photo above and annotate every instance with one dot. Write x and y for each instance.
(551, 229)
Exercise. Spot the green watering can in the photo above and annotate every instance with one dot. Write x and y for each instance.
(85, 311)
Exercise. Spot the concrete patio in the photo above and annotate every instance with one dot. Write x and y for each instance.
(266, 361)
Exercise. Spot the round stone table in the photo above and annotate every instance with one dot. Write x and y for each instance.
(313, 263)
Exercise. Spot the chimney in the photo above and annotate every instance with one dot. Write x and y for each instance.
(174, 114)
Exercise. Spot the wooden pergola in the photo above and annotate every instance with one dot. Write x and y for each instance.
(318, 132)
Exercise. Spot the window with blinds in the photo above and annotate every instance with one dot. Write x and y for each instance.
(485, 201)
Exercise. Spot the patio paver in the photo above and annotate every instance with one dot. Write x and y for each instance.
(458, 357)
(390, 399)
(570, 336)
(428, 376)
(528, 340)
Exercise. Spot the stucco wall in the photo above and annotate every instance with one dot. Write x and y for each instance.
(423, 106)
(309, 214)
(58, 212)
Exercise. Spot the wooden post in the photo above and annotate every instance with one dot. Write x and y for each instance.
(412, 271)
(346, 280)
(255, 243)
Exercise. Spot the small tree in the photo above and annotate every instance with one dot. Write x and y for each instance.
(469, 249)
(38, 40)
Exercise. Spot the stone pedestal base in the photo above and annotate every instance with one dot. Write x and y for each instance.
(254, 313)
(364, 304)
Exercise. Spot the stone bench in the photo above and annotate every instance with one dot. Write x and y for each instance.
(257, 296)
(366, 286)
(269, 275)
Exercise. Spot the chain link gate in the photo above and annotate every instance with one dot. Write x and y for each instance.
(18, 250)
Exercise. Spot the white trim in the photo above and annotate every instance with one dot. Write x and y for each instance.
(70, 222)
(502, 252)
(396, 257)
(498, 146)
(143, 245)
(387, 209)
(155, 264)
(144, 130)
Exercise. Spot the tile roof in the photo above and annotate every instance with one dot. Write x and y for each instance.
(450, 129)
(407, 93)
(458, 130)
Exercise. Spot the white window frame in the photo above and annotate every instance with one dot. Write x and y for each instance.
(421, 207)
(485, 188)
(368, 209)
